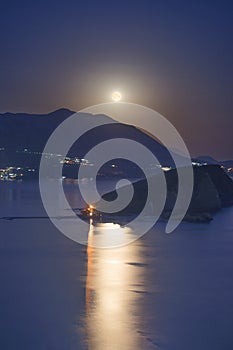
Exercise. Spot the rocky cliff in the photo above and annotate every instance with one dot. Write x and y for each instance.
(213, 190)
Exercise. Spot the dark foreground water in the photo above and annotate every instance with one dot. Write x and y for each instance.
(171, 292)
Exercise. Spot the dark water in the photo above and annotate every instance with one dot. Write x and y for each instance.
(172, 292)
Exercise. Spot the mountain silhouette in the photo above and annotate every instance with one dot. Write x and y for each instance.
(19, 131)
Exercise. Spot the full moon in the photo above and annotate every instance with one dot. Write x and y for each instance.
(116, 96)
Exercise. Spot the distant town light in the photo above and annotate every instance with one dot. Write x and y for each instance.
(166, 168)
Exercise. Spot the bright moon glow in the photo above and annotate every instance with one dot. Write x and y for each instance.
(116, 96)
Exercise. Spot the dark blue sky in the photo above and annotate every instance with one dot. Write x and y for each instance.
(173, 56)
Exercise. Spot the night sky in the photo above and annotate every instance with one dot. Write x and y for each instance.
(173, 56)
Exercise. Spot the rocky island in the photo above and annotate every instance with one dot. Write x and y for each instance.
(213, 190)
